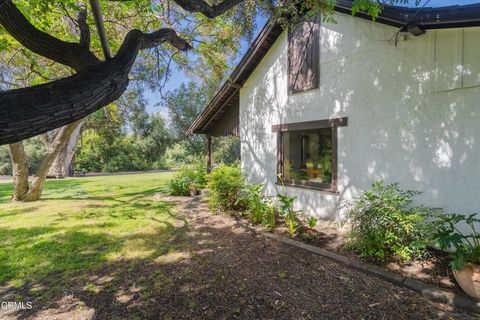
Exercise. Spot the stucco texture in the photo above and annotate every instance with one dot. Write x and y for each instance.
(413, 111)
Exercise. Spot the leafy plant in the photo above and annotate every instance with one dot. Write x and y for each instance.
(312, 222)
(269, 217)
(446, 235)
(384, 223)
(193, 175)
(288, 213)
(255, 202)
(286, 210)
(226, 183)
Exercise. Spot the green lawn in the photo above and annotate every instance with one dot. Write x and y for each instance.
(82, 226)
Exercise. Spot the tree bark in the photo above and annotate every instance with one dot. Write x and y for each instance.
(20, 171)
(35, 191)
(61, 165)
(27, 112)
(75, 55)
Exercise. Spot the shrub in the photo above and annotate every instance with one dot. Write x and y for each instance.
(226, 183)
(446, 235)
(186, 177)
(384, 223)
(259, 207)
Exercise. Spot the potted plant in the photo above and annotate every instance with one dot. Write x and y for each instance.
(309, 164)
(194, 190)
(464, 247)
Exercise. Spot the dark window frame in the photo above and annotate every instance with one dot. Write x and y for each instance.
(333, 124)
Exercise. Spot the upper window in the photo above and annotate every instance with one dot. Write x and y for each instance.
(307, 153)
(304, 56)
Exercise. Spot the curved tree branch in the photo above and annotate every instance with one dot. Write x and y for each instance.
(71, 54)
(30, 111)
(85, 36)
(210, 11)
(203, 7)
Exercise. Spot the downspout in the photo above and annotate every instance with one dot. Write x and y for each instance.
(98, 17)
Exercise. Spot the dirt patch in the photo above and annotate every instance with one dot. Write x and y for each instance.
(228, 271)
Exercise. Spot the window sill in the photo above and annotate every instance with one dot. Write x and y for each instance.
(329, 190)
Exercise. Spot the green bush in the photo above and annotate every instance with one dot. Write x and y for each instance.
(226, 183)
(187, 176)
(385, 224)
(258, 206)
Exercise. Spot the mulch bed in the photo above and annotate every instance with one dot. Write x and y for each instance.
(434, 269)
(230, 272)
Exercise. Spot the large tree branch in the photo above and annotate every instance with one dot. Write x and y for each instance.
(74, 55)
(85, 36)
(203, 7)
(210, 11)
(30, 111)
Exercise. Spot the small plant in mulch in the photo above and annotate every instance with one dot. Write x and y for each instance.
(308, 232)
(258, 206)
(287, 211)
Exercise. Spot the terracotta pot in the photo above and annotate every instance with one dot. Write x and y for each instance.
(469, 280)
(194, 192)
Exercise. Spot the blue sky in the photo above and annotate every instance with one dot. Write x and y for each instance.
(178, 77)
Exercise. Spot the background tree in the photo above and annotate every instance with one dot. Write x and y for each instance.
(57, 18)
(184, 104)
(123, 137)
(172, 27)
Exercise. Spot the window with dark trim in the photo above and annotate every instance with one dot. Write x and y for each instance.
(304, 55)
(307, 153)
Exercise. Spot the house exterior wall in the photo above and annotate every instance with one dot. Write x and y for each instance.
(413, 114)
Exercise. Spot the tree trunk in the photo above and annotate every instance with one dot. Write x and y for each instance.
(35, 191)
(62, 163)
(20, 171)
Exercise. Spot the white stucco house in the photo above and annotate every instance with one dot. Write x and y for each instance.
(333, 107)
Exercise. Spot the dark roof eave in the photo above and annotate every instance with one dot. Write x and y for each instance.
(271, 30)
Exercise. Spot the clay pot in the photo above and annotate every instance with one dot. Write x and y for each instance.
(194, 191)
(469, 280)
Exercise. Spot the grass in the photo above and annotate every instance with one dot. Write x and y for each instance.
(83, 225)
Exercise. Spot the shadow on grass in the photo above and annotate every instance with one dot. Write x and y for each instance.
(207, 269)
(51, 261)
(77, 189)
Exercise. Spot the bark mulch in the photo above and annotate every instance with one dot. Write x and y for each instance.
(228, 271)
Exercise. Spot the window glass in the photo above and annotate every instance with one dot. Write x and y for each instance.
(307, 155)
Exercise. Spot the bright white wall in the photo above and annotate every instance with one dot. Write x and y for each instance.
(413, 113)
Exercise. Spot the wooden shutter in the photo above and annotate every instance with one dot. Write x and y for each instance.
(304, 56)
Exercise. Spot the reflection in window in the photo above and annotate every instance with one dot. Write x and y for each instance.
(307, 155)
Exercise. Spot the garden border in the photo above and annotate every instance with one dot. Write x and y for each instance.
(429, 291)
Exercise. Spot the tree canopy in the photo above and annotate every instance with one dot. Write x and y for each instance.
(42, 41)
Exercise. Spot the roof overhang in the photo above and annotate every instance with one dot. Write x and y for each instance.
(413, 20)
